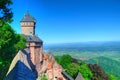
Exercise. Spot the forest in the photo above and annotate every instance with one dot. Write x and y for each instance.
(10, 41)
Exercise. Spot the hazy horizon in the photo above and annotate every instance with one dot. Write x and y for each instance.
(87, 42)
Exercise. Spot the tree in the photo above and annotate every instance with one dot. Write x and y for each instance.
(98, 73)
(73, 69)
(21, 42)
(58, 59)
(85, 71)
(66, 60)
(10, 42)
(7, 41)
(5, 11)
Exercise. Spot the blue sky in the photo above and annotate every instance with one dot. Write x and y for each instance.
(64, 21)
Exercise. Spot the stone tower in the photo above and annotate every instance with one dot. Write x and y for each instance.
(28, 25)
(33, 42)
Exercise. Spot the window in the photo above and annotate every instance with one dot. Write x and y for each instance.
(31, 23)
(25, 23)
(31, 33)
(28, 23)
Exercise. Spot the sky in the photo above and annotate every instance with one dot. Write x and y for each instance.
(65, 21)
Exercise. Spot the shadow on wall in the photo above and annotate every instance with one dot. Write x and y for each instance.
(21, 71)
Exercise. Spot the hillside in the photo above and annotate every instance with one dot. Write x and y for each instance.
(88, 71)
(110, 66)
(92, 52)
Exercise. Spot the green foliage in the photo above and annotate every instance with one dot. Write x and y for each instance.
(44, 78)
(21, 43)
(1, 63)
(91, 72)
(73, 69)
(58, 59)
(7, 41)
(85, 71)
(10, 43)
(112, 77)
(5, 11)
(109, 65)
(66, 60)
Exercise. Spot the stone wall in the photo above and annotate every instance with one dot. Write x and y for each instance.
(27, 29)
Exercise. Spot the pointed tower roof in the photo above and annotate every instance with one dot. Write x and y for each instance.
(28, 18)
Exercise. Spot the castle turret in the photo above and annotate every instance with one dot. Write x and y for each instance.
(28, 25)
(33, 42)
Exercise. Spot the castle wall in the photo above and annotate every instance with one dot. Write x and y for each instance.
(36, 54)
(32, 51)
(41, 51)
(37, 57)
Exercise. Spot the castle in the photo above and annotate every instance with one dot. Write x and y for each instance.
(33, 42)
(31, 63)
